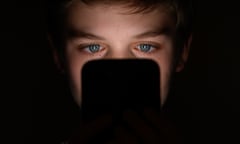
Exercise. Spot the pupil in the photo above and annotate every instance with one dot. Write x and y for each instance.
(94, 48)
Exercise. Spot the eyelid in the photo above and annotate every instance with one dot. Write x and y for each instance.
(153, 44)
(84, 45)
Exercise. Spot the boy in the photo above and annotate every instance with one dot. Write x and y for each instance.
(121, 29)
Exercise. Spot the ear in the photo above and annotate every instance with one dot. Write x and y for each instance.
(184, 55)
(55, 54)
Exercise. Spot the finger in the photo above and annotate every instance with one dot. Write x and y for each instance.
(153, 118)
(166, 128)
(142, 130)
(158, 120)
(123, 136)
(97, 125)
(89, 130)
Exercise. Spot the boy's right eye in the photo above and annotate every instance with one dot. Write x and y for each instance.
(92, 48)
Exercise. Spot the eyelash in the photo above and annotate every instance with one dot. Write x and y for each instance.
(85, 47)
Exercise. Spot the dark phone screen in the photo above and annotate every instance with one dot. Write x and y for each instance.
(112, 86)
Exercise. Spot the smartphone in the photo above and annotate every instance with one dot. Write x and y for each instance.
(113, 86)
(116, 85)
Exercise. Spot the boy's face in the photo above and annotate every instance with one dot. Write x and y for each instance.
(104, 32)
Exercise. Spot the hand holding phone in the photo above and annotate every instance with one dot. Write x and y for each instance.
(121, 104)
(153, 129)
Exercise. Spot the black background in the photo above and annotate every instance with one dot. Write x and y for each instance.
(207, 77)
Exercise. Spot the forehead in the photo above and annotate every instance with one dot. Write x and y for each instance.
(98, 16)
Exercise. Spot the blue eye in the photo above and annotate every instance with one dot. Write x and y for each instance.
(145, 47)
(93, 48)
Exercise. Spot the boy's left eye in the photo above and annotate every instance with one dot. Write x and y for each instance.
(145, 47)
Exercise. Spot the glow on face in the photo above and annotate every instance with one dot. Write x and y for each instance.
(103, 32)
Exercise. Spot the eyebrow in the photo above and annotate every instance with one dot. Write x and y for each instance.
(154, 33)
(74, 33)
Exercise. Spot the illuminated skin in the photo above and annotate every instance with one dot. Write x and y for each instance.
(106, 32)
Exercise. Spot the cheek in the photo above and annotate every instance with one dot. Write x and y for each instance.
(164, 60)
(75, 64)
